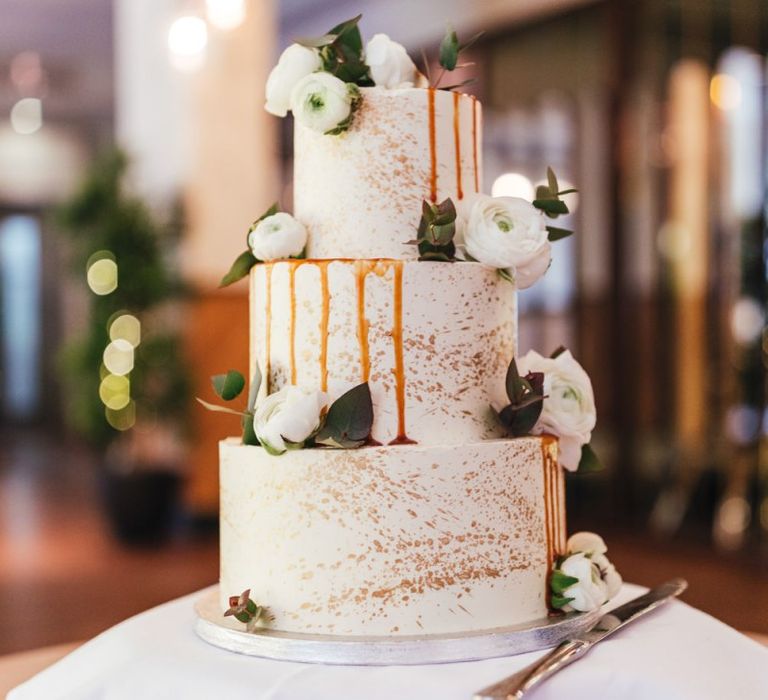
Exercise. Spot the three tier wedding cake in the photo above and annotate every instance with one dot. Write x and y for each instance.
(400, 472)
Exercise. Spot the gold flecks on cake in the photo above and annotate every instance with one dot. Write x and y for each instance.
(393, 537)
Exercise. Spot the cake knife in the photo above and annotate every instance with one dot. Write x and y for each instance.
(567, 652)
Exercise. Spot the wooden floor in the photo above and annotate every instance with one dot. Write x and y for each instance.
(63, 577)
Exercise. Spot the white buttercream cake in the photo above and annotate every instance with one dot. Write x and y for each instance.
(401, 469)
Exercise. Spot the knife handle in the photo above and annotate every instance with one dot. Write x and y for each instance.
(516, 685)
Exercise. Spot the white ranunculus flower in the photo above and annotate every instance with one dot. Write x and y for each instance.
(508, 232)
(391, 66)
(590, 591)
(295, 63)
(276, 237)
(322, 102)
(608, 573)
(289, 415)
(569, 407)
(588, 542)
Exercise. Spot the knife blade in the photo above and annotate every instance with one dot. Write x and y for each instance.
(568, 651)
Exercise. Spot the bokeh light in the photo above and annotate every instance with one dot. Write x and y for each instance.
(747, 320)
(126, 327)
(27, 115)
(118, 357)
(725, 91)
(225, 14)
(187, 40)
(115, 391)
(123, 418)
(102, 273)
(513, 185)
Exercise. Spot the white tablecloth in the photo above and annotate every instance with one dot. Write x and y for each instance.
(675, 653)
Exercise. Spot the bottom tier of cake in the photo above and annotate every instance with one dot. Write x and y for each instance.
(393, 540)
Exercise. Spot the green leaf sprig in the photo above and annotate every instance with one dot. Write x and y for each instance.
(341, 50)
(548, 201)
(526, 399)
(448, 58)
(228, 387)
(348, 421)
(436, 231)
(245, 610)
(559, 583)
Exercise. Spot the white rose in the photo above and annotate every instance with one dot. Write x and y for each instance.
(569, 407)
(391, 67)
(295, 63)
(276, 237)
(508, 232)
(589, 592)
(291, 414)
(322, 102)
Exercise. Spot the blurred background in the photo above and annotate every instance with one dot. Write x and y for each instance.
(134, 152)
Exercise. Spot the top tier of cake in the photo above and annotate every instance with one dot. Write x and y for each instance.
(360, 194)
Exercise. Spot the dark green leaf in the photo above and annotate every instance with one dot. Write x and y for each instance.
(572, 190)
(551, 207)
(349, 419)
(249, 435)
(558, 601)
(560, 582)
(456, 86)
(552, 181)
(219, 409)
(542, 192)
(519, 421)
(272, 210)
(504, 274)
(449, 49)
(228, 386)
(557, 234)
(240, 268)
(559, 350)
(442, 253)
(512, 383)
(348, 33)
(589, 461)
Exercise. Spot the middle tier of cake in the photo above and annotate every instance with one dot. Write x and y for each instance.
(433, 340)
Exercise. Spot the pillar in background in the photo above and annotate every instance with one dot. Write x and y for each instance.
(202, 136)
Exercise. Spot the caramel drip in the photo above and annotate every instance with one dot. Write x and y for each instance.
(397, 341)
(432, 147)
(550, 504)
(474, 142)
(326, 299)
(362, 268)
(268, 323)
(457, 142)
(292, 294)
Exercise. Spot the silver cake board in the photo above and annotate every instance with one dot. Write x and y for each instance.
(227, 633)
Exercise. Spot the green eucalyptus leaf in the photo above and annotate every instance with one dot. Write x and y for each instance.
(219, 409)
(449, 49)
(504, 274)
(348, 32)
(552, 181)
(519, 421)
(240, 268)
(228, 386)
(543, 192)
(456, 86)
(558, 601)
(560, 582)
(349, 419)
(512, 382)
(249, 434)
(571, 190)
(589, 461)
(559, 350)
(551, 207)
(557, 234)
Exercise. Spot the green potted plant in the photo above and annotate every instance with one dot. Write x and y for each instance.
(126, 385)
